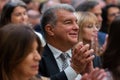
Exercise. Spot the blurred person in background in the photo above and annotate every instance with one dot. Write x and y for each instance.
(34, 17)
(95, 8)
(29, 3)
(32, 4)
(16, 12)
(111, 56)
(88, 30)
(115, 2)
(91, 6)
(48, 4)
(109, 12)
(42, 8)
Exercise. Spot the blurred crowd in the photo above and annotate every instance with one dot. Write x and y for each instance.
(59, 40)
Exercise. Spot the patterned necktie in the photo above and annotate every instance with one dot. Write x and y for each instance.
(63, 56)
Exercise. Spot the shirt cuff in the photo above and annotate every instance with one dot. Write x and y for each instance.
(70, 73)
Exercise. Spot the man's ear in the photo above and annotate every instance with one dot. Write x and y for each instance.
(49, 29)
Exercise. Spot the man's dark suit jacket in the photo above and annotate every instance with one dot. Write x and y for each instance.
(49, 68)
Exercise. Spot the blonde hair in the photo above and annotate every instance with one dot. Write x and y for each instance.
(86, 18)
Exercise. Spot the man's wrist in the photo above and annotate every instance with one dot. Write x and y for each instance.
(77, 69)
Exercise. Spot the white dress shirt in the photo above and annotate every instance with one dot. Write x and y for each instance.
(41, 38)
(69, 71)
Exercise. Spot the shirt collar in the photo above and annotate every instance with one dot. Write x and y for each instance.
(57, 53)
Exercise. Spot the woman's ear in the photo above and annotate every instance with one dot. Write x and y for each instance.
(49, 29)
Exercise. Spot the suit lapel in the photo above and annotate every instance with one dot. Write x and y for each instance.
(50, 60)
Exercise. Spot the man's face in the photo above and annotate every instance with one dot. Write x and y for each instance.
(112, 13)
(97, 11)
(66, 29)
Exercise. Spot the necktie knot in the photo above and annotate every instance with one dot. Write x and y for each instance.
(63, 56)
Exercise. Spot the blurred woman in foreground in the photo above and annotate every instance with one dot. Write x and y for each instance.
(20, 53)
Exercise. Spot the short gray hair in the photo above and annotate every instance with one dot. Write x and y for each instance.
(50, 17)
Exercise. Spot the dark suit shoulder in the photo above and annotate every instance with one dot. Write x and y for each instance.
(48, 66)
